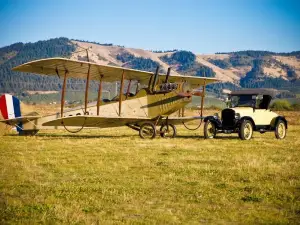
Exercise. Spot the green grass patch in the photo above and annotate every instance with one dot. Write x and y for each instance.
(111, 176)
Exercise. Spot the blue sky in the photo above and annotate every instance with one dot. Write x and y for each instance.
(202, 26)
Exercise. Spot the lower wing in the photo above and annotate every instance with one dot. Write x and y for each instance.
(180, 120)
(96, 121)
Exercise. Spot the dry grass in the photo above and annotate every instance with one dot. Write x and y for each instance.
(111, 176)
(4, 129)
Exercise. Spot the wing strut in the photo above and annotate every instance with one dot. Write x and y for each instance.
(87, 90)
(62, 104)
(121, 92)
(128, 89)
(99, 100)
(202, 98)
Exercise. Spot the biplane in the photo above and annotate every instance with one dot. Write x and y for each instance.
(147, 110)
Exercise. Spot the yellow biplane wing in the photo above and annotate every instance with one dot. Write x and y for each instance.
(97, 121)
(94, 121)
(79, 69)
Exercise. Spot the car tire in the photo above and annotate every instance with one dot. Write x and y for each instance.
(280, 129)
(246, 130)
(210, 130)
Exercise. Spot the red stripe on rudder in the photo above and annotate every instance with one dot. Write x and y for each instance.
(3, 107)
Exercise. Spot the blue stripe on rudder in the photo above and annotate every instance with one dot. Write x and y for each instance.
(17, 109)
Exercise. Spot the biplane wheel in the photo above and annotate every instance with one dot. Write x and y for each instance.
(168, 131)
(147, 131)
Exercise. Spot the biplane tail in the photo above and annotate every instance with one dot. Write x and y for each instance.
(10, 107)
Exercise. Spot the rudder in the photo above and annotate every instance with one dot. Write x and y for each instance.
(10, 108)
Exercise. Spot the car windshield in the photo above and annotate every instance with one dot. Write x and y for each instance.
(241, 101)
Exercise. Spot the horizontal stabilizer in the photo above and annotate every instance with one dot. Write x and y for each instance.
(18, 120)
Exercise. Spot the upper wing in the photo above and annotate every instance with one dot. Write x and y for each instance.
(103, 122)
(79, 69)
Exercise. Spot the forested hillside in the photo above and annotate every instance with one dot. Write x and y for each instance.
(185, 63)
(20, 53)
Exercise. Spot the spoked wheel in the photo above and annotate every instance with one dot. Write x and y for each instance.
(280, 130)
(210, 130)
(246, 130)
(147, 131)
(168, 131)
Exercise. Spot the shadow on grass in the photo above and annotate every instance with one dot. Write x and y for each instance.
(86, 136)
(75, 136)
(202, 137)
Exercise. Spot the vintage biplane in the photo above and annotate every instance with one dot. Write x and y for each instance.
(156, 97)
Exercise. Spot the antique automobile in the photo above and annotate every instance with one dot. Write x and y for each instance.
(248, 111)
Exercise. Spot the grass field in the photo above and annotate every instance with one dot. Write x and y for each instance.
(111, 176)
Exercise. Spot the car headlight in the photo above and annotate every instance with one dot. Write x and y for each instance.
(237, 116)
(216, 116)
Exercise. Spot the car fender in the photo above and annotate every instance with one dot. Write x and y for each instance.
(275, 121)
(213, 119)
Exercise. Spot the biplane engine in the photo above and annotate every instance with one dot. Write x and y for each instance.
(167, 87)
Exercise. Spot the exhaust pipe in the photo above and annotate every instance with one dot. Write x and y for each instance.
(155, 79)
(168, 74)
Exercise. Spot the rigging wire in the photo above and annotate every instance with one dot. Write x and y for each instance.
(74, 132)
(201, 120)
(193, 128)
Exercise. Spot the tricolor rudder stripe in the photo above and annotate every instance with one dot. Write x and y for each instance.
(10, 108)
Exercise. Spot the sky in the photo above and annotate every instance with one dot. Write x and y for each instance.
(201, 26)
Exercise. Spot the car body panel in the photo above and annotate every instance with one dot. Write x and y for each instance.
(259, 116)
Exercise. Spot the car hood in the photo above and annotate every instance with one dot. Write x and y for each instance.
(242, 110)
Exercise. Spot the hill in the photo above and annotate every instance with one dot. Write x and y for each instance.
(233, 69)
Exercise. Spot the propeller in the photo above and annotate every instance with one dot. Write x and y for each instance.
(197, 93)
(185, 94)
(190, 94)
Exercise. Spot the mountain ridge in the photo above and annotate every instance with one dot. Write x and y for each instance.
(234, 69)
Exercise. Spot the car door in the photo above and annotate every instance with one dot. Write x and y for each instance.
(262, 116)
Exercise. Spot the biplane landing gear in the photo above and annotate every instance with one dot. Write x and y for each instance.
(168, 131)
(147, 131)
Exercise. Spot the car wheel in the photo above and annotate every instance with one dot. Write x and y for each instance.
(168, 131)
(147, 131)
(246, 130)
(210, 130)
(280, 130)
